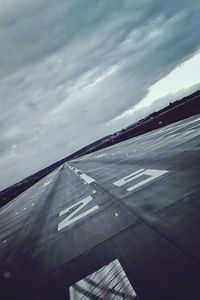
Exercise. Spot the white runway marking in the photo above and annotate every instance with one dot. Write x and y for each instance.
(153, 174)
(87, 178)
(128, 178)
(47, 183)
(101, 155)
(70, 219)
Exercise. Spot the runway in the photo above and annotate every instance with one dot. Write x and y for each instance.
(133, 207)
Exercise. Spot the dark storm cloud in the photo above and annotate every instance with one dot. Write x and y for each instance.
(67, 68)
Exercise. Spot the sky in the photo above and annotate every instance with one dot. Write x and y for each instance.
(74, 71)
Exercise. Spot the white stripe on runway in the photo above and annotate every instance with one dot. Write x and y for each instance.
(87, 178)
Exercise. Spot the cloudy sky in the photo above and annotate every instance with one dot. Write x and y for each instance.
(73, 71)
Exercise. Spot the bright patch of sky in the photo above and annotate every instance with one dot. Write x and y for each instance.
(182, 77)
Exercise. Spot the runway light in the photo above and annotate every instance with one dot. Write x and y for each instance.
(116, 214)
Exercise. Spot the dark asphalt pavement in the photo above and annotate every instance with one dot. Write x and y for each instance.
(133, 207)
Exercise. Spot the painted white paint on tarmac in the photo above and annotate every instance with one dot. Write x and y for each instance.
(70, 219)
(47, 183)
(101, 155)
(128, 178)
(152, 173)
(87, 178)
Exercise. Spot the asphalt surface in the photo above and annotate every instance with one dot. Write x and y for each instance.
(135, 205)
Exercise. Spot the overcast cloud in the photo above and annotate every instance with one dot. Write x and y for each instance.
(68, 68)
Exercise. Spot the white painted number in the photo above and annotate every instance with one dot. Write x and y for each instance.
(70, 219)
(153, 174)
(128, 178)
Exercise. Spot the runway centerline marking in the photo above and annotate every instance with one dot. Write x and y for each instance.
(152, 173)
(87, 178)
